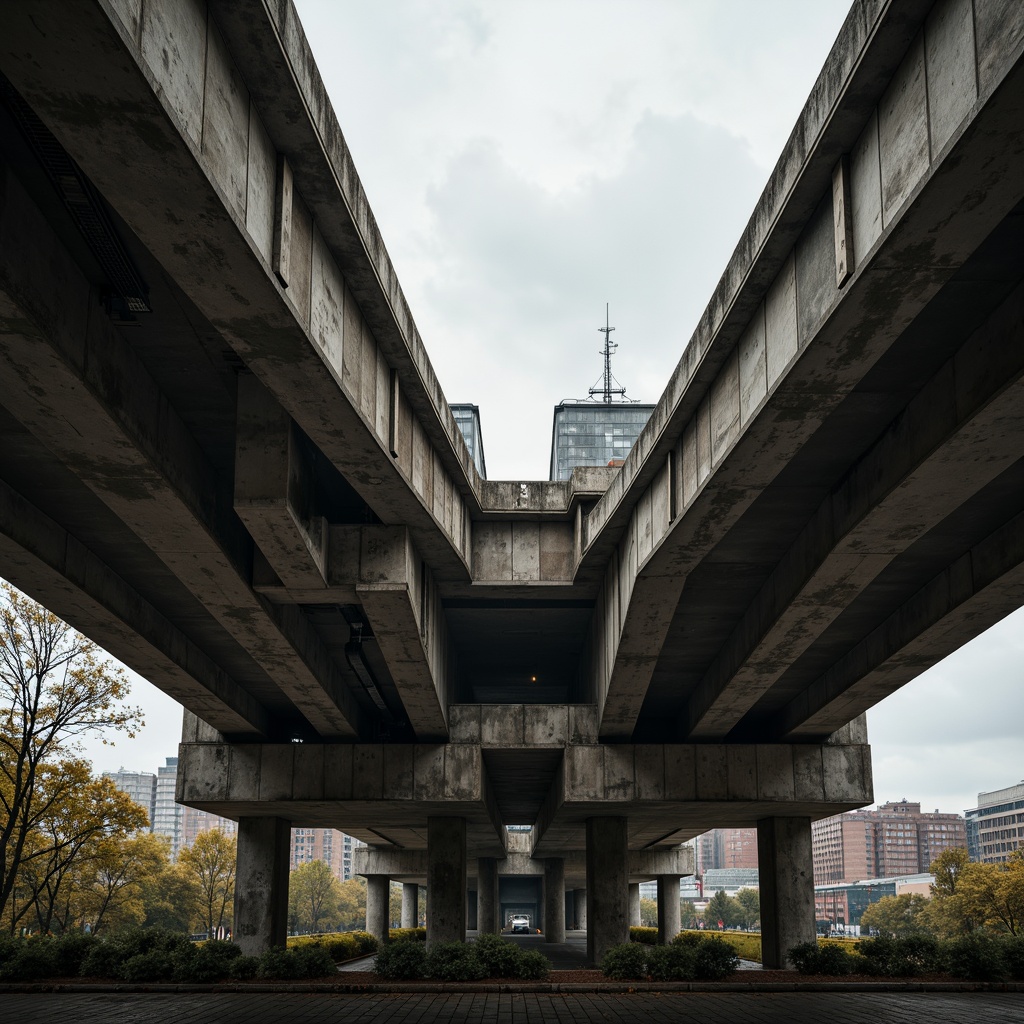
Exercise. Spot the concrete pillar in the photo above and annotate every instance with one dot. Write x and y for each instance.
(787, 887)
(378, 910)
(261, 884)
(634, 904)
(669, 918)
(579, 901)
(554, 899)
(410, 904)
(607, 886)
(487, 907)
(446, 880)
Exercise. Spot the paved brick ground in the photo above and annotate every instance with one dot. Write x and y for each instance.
(699, 1008)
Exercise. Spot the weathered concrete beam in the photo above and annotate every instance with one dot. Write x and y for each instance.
(523, 725)
(270, 481)
(916, 475)
(42, 559)
(673, 792)
(981, 587)
(73, 382)
(381, 793)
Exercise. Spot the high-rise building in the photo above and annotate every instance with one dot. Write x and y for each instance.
(995, 828)
(895, 839)
(140, 786)
(467, 419)
(726, 848)
(166, 813)
(594, 434)
(194, 821)
(326, 844)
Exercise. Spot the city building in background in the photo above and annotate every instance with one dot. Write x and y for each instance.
(467, 419)
(594, 434)
(181, 825)
(334, 848)
(140, 786)
(995, 828)
(726, 848)
(838, 906)
(166, 813)
(895, 839)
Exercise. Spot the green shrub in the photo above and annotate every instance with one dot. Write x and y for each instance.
(715, 959)
(804, 957)
(244, 968)
(313, 962)
(498, 957)
(210, 962)
(672, 963)
(688, 938)
(900, 958)
(70, 952)
(155, 965)
(648, 936)
(29, 959)
(401, 961)
(532, 966)
(453, 961)
(367, 943)
(277, 964)
(407, 934)
(834, 960)
(1013, 956)
(625, 962)
(976, 957)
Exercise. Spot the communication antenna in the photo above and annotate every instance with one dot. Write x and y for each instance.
(605, 389)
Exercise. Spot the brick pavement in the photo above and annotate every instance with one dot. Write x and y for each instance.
(526, 1008)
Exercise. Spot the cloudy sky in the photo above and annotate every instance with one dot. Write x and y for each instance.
(530, 161)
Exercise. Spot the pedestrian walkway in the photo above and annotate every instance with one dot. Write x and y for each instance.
(507, 1008)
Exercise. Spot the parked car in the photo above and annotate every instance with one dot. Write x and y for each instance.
(520, 923)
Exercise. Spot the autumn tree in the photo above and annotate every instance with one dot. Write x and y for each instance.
(313, 895)
(687, 914)
(55, 687)
(170, 899)
(897, 916)
(649, 913)
(118, 872)
(993, 894)
(210, 863)
(951, 911)
(352, 904)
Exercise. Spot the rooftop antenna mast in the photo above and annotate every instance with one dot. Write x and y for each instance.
(609, 347)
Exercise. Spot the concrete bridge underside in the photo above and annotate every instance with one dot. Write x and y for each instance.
(227, 459)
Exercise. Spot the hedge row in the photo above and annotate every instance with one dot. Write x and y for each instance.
(691, 956)
(153, 954)
(340, 945)
(489, 957)
(975, 957)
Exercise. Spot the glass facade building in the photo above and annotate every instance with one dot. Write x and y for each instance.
(594, 434)
(467, 418)
(995, 828)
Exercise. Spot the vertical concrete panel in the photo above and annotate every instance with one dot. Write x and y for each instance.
(725, 408)
(607, 886)
(410, 905)
(383, 397)
(689, 473)
(556, 548)
(525, 552)
(226, 123)
(554, 899)
(903, 131)
(259, 198)
(327, 305)
(644, 526)
(492, 551)
(261, 884)
(405, 430)
(815, 270)
(669, 915)
(999, 33)
(368, 373)
(949, 57)
(780, 335)
(437, 474)
(174, 47)
(351, 353)
(378, 906)
(634, 904)
(703, 440)
(420, 454)
(488, 915)
(752, 367)
(866, 191)
(660, 498)
(300, 260)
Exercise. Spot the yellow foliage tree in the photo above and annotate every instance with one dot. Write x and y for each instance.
(210, 863)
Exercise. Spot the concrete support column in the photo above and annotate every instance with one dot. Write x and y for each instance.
(669, 918)
(410, 904)
(261, 884)
(787, 887)
(446, 880)
(607, 886)
(579, 902)
(487, 908)
(634, 904)
(554, 899)
(378, 909)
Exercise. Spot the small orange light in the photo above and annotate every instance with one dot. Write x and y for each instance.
(533, 679)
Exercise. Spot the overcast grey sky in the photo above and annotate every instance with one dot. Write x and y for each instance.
(528, 162)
